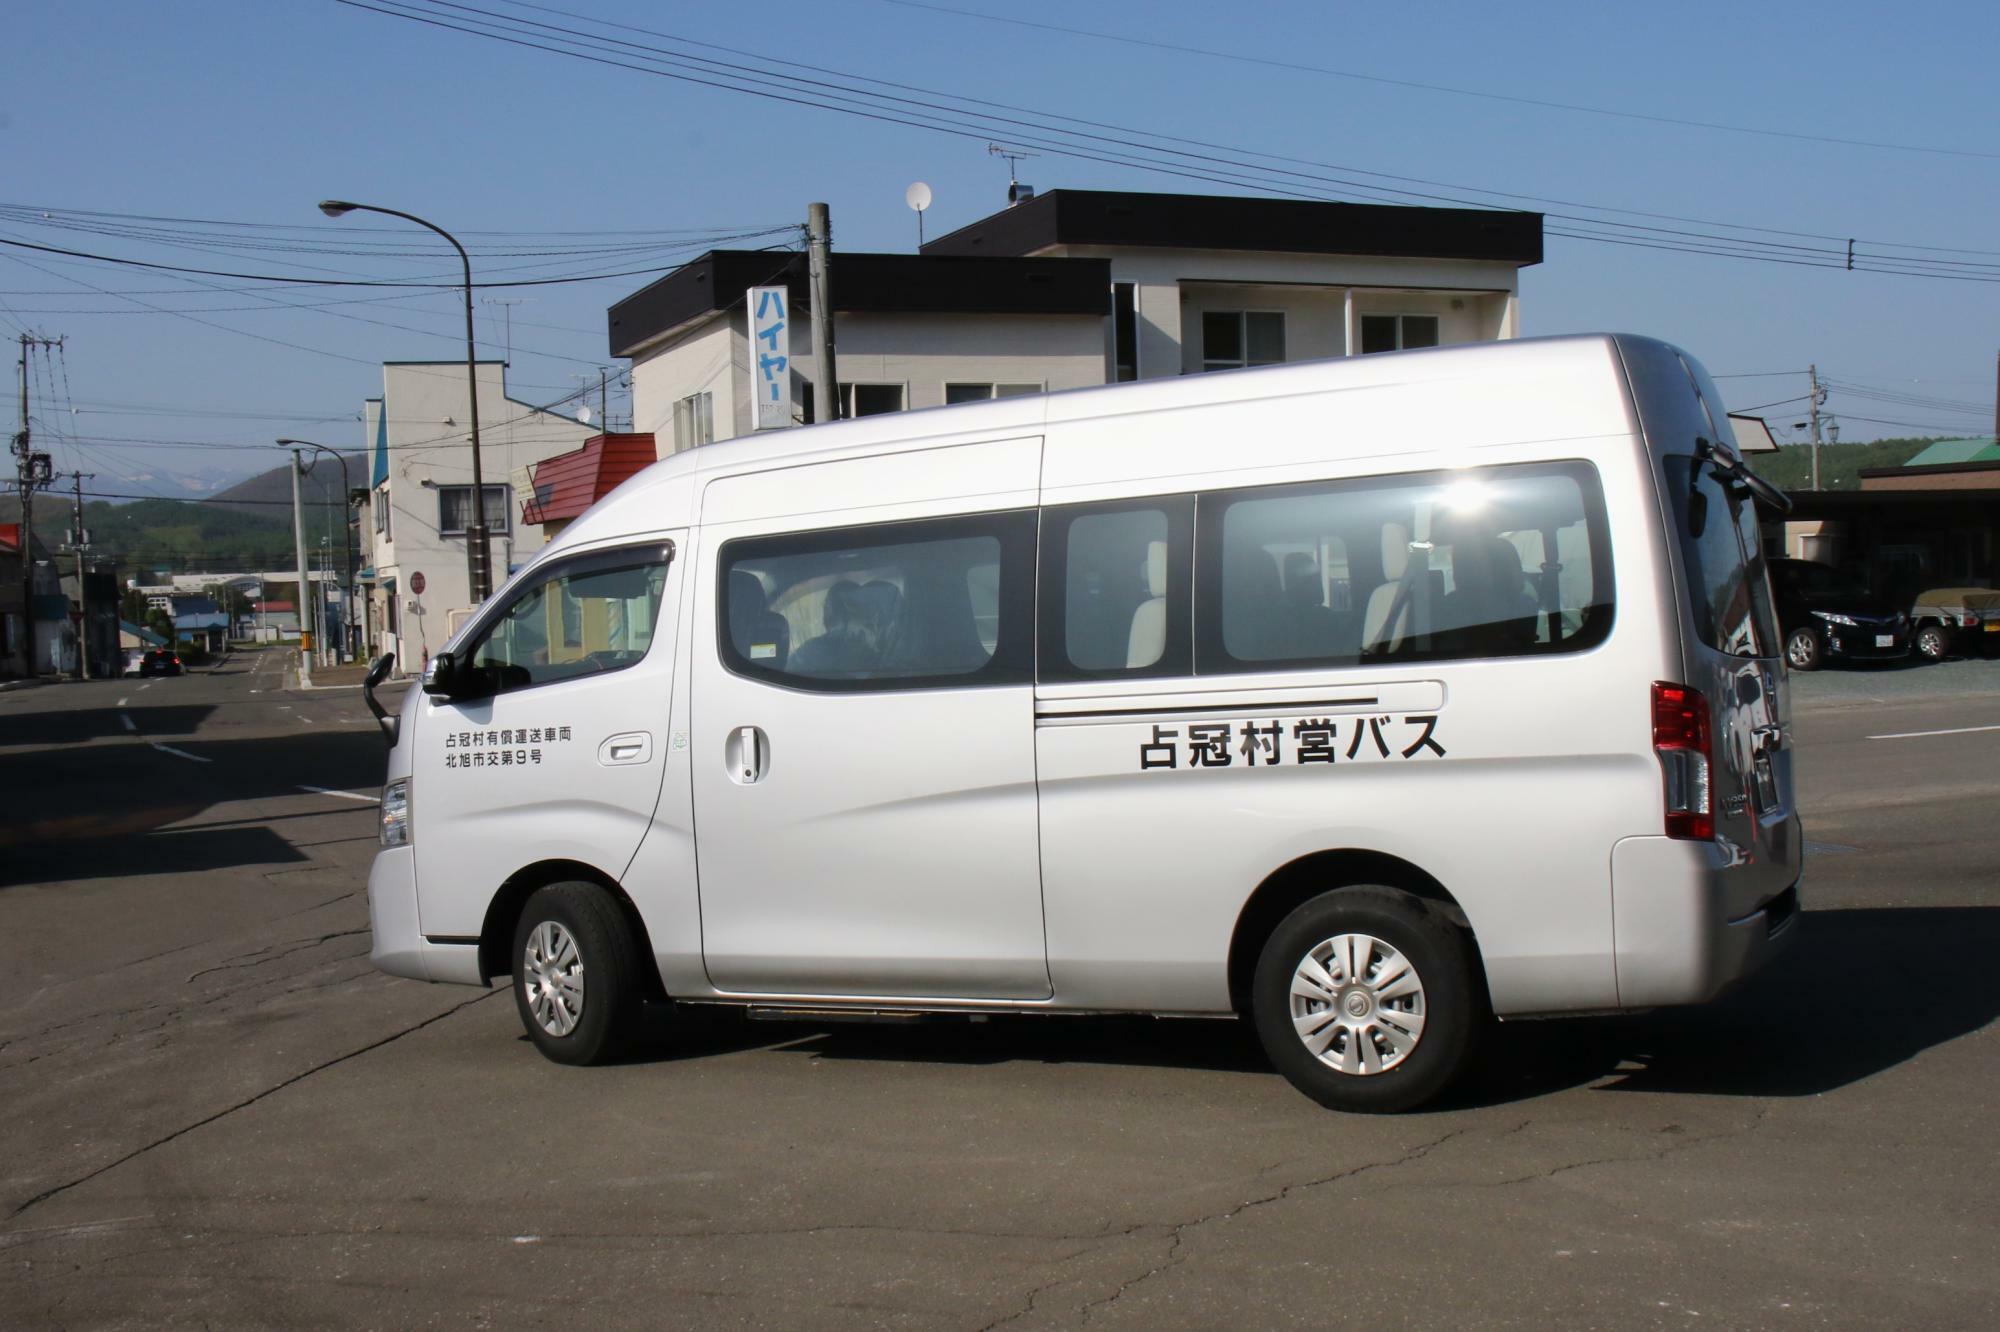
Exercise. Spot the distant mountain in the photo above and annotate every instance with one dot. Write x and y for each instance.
(322, 485)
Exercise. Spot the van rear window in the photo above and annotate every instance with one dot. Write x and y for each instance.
(1485, 562)
(1720, 546)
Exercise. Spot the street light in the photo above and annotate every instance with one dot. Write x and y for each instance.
(477, 558)
(347, 570)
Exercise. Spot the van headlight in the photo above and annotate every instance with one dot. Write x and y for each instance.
(396, 813)
(1834, 617)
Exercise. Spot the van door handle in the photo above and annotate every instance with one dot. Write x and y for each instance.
(630, 747)
(746, 754)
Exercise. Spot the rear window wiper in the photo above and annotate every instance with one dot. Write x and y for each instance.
(1731, 467)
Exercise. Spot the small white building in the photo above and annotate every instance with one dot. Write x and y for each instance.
(419, 497)
(1076, 288)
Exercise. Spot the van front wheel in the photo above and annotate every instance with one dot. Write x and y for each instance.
(1367, 1001)
(576, 975)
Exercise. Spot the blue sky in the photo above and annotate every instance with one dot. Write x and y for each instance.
(252, 110)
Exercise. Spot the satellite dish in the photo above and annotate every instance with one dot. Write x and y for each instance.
(583, 415)
(918, 197)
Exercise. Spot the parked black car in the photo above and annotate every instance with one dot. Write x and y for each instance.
(160, 662)
(1824, 614)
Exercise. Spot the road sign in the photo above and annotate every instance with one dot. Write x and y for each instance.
(417, 583)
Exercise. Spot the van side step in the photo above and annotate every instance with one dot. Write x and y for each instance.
(773, 1013)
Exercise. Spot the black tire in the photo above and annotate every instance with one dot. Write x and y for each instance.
(1453, 999)
(1932, 643)
(1803, 651)
(610, 990)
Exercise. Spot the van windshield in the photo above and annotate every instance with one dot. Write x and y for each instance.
(1723, 552)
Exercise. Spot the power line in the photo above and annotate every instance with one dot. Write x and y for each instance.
(1222, 166)
(1269, 63)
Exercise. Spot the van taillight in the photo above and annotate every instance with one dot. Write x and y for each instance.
(1681, 739)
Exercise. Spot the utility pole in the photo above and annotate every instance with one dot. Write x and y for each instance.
(305, 588)
(81, 540)
(33, 469)
(819, 244)
(1813, 372)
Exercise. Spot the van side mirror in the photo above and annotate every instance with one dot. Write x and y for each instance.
(376, 675)
(440, 675)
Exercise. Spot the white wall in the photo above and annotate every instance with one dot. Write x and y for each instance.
(923, 352)
(429, 440)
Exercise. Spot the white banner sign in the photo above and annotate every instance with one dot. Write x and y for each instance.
(770, 357)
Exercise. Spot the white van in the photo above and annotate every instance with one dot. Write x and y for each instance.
(1369, 698)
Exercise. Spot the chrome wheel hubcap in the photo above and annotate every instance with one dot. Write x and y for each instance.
(1357, 1004)
(552, 971)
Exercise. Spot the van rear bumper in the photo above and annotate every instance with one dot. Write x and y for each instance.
(1675, 940)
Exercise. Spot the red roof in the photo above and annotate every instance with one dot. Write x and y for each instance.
(10, 536)
(569, 483)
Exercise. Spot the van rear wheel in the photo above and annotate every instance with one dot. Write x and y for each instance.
(1367, 1001)
(576, 974)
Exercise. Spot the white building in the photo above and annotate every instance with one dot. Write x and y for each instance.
(1075, 288)
(419, 497)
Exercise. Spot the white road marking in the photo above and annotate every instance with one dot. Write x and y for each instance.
(344, 795)
(307, 720)
(123, 701)
(147, 685)
(126, 719)
(178, 753)
(1913, 735)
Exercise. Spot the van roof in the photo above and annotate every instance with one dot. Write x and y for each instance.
(1581, 355)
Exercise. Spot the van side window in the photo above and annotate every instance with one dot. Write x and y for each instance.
(941, 603)
(1116, 589)
(1723, 552)
(584, 617)
(1487, 562)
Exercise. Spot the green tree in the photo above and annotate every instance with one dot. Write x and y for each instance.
(160, 623)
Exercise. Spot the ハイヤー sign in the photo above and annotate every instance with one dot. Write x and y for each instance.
(770, 357)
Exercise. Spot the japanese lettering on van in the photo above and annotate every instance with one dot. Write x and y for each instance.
(1221, 744)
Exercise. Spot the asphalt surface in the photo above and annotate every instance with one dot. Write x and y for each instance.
(217, 1114)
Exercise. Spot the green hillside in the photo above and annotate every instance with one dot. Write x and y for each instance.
(1840, 465)
(180, 536)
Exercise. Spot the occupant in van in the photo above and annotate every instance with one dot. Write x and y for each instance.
(859, 619)
(759, 633)
(1489, 611)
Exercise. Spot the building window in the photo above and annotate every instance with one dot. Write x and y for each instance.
(1232, 339)
(694, 421)
(455, 510)
(1124, 332)
(869, 400)
(1380, 333)
(382, 521)
(982, 392)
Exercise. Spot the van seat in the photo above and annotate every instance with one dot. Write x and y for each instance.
(1147, 642)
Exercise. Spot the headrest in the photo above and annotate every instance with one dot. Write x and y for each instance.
(842, 601)
(1156, 568)
(746, 592)
(1395, 551)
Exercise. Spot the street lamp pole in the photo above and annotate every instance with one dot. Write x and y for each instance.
(346, 579)
(478, 559)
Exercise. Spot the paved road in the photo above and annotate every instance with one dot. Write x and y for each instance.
(218, 1114)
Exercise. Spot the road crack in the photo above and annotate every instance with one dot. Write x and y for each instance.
(245, 1104)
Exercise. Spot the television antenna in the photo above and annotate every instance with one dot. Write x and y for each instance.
(1016, 191)
(918, 197)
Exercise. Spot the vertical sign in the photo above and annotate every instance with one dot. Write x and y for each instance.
(770, 357)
